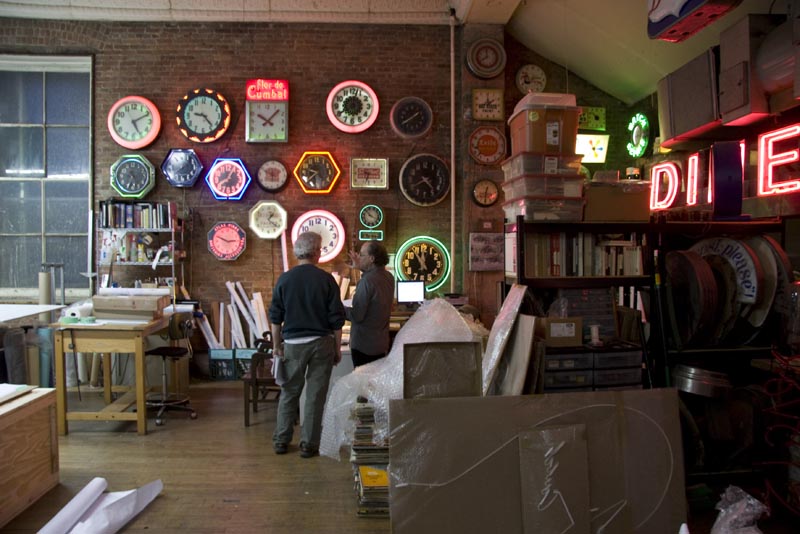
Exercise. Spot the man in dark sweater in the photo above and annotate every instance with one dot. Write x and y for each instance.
(306, 316)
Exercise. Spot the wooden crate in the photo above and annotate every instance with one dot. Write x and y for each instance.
(28, 451)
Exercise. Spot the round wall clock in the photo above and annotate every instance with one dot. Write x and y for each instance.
(182, 167)
(267, 121)
(371, 216)
(424, 180)
(352, 106)
(203, 115)
(486, 58)
(423, 258)
(134, 122)
(485, 192)
(228, 179)
(268, 219)
(226, 240)
(316, 172)
(133, 176)
(487, 145)
(272, 175)
(531, 78)
(325, 224)
(639, 128)
(411, 117)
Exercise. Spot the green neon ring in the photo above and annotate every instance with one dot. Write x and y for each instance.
(636, 148)
(398, 259)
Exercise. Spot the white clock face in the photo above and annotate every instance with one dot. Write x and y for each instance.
(267, 122)
(325, 224)
(203, 114)
(531, 78)
(268, 219)
(272, 175)
(371, 216)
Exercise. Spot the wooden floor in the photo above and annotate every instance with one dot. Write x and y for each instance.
(219, 477)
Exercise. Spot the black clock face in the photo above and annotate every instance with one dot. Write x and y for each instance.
(425, 261)
(371, 216)
(424, 180)
(411, 117)
(203, 115)
(132, 176)
(228, 179)
(182, 167)
(317, 172)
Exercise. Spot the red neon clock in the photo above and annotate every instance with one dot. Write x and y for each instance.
(228, 179)
(352, 106)
(317, 172)
(327, 225)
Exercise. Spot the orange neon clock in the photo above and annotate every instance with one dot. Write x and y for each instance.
(317, 172)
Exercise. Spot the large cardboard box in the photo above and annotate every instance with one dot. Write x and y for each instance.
(129, 306)
(560, 331)
(617, 202)
(459, 464)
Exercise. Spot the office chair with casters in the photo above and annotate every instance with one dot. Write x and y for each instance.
(179, 330)
(258, 380)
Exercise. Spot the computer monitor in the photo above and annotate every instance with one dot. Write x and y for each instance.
(410, 291)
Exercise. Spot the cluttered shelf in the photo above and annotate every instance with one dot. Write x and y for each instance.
(555, 282)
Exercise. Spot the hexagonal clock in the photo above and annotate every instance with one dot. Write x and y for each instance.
(133, 176)
(228, 179)
(317, 172)
(182, 167)
(268, 219)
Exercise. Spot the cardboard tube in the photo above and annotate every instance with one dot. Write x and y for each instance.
(45, 294)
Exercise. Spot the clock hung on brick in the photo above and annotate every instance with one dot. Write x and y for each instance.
(327, 225)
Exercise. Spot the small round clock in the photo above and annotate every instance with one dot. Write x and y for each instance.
(423, 258)
(486, 58)
(352, 106)
(268, 219)
(424, 180)
(487, 145)
(227, 240)
(411, 117)
(327, 225)
(267, 121)
(317, 172)
(485, 192)
(531, 78)
(133, 176)
(134, 122)
(228, 179)
(272, 175)
(203, 115)
(371, 216)
(181, 167)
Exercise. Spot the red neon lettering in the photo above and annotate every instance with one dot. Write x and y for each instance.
(768, 159)
(692, 179)
(673, 175)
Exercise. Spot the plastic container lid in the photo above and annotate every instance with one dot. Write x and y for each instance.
(544, 100)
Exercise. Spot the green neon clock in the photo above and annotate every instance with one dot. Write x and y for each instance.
(639, 128)
(423, 258)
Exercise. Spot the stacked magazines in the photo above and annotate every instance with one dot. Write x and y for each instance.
(370, 462)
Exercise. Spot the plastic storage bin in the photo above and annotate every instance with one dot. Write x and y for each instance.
(533, 163)
(544, 209)
(566, 362)
(544, 185)
(567, 379)
(610, 360)
(545, 122)
(618, 377)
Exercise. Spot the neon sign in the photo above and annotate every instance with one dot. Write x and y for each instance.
(261, 89)
(769, 161)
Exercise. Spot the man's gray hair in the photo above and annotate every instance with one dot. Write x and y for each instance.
(307, 245)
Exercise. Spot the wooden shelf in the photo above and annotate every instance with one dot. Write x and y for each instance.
(556, 282)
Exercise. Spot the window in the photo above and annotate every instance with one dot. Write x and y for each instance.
(45, 173)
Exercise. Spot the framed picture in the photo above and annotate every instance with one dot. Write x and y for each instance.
(486, 251)
(487, 104)
(369, 173)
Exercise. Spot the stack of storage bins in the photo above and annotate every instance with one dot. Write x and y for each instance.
(542, 176)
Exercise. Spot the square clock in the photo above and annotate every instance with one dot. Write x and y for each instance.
(487, 104)
(369, 173)
(267, 121)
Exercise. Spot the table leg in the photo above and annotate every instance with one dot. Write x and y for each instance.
(141, 404)
(107, 378)
(61, 385)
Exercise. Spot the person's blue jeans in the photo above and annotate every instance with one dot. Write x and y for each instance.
(310, 365)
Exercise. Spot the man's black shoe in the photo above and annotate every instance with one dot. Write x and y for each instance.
(280, 448)
(307, 451)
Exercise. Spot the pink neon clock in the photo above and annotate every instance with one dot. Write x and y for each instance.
(352, 106)
(327, 225)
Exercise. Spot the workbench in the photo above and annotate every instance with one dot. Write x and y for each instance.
(105, 337)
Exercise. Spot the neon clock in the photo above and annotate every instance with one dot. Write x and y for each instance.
(327, 225)
(352, 106)
(227, 240)
(639, 127)
(317, 172)
(228, 179)
(423, 258)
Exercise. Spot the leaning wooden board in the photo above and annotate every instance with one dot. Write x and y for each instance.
(28, 451)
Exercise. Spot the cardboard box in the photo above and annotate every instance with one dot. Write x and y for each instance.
(560, 331)
(457, 463)
(617, 202)
(129, 306)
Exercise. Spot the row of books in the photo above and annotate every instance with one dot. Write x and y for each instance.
(583, 254)
(370, 463)
(147, 215)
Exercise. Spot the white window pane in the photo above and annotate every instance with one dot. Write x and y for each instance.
(68, 152)
(67, 206)
(21, 152)
(20, 261)
(20, 208)
(67, 98)
(72, 252)
(21, 97)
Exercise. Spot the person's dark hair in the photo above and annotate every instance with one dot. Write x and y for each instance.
(307, 245)
(378, 252)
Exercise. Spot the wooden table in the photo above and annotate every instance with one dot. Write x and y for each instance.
(106, 337)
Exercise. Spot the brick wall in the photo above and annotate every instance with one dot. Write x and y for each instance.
(162, 61)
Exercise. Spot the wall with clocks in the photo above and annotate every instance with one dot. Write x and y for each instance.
(261, 124)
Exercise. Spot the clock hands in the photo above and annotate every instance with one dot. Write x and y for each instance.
(197, 113)
(416, 114)
(268, 120)
(226, 240)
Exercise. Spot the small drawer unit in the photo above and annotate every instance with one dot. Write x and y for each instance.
(616, 359)
(568, 362)
(567, 379)
(617, 377)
